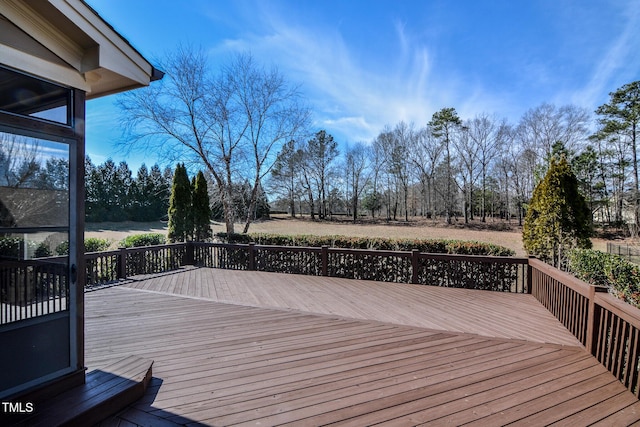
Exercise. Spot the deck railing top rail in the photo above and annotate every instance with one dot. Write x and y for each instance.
(572, 282)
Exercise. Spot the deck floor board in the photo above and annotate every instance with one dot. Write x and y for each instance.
(495, 314)
(246, 348)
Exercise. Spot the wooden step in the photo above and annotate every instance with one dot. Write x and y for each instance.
(105, 392)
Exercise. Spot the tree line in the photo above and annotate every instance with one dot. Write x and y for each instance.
(481, 167)
(113, 193)
(248, 128)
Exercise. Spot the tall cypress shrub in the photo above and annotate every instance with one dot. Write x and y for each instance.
(201, 210)
(180, 225)
(558, 217)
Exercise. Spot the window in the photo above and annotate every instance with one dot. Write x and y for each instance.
(27, 96)
(34, 227)
(35, 215)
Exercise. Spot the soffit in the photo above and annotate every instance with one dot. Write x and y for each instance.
(97, 59)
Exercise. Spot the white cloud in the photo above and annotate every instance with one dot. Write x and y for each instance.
(349, 96)
(618, 64)
(355, 92)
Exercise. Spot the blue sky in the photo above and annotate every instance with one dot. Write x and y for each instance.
(366, 64)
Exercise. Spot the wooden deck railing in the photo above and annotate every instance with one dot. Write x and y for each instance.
(507, 274)
(608, 327)
(33, 288)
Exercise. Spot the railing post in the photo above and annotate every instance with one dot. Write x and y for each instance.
(415, 265)
(252, 256)
(324, 256)
(122, 263)
(593, 319)
(529, 276)
(189, 253)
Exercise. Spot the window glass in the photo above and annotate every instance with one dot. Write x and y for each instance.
(34, 182)
(32, 245)
(28, 96)
(34, 227)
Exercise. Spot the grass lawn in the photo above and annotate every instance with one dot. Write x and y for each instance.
(497, 233)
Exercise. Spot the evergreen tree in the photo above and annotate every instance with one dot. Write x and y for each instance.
(444, 125)
(144, 197)
(620, 119)
(262, 209)
(558, 217)
(93, 190)
(201, 210)
(161, 190)
(179, 226)
(122, 187)
(108, 196)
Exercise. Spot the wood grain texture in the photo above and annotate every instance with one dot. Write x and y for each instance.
(318, 359)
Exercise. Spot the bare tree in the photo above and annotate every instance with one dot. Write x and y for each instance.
(378, 159)
(401, 140)
(504, 170)
(467, 149)
(230, 122)
(425, 156)
(379, 166)
(272, 114)
(357, 164)
(488, 137)
(285, 174)
(320, 153)
(18, 160)
(542, 127)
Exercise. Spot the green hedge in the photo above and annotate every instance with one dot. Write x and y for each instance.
(13, 247)
(146, 239)
(379, 243)
(91, 244)
(613, 271)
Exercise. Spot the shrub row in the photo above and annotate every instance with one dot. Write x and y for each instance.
(91, 244)
(94, 244)
(600, 268)
(146, 239)
(379, 243)
(13, 247)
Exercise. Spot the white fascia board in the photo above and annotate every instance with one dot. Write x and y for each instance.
(23, 16)
(19, 60)
(109, 55)
(114, 53)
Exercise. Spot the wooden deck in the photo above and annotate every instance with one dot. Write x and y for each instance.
(493, 314)
(346, 352)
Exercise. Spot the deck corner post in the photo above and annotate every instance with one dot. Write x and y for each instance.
(189, 253)
(593, 319)
(122, 263)
(415, 265)
(324, 252)
(530, 274)
(590, 319)
(252, 256)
